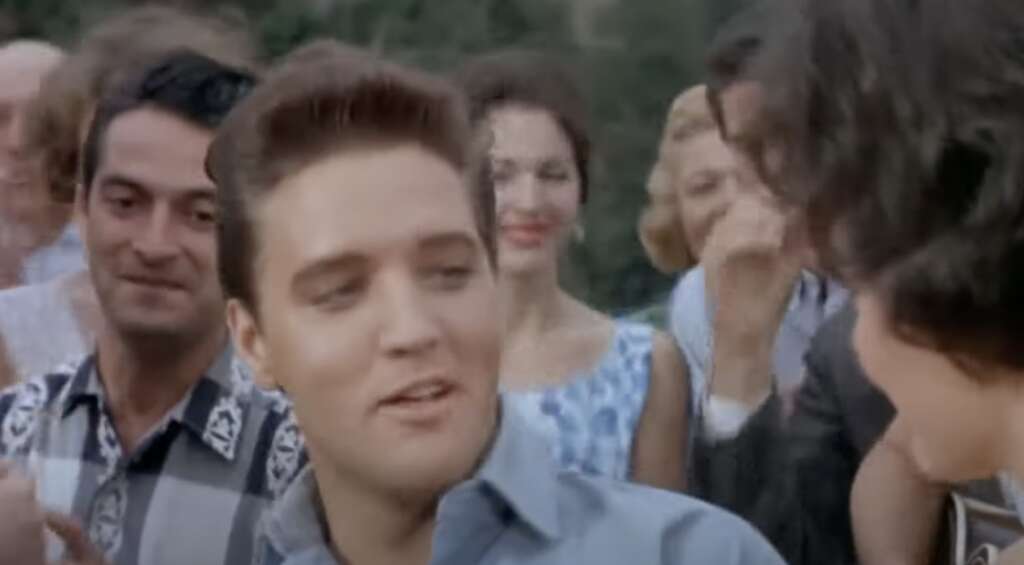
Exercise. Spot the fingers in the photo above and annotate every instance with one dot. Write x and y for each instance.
(748, 224)
(79, 549)
(21, 523)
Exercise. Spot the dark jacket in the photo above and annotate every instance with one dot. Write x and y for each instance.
(791, 474)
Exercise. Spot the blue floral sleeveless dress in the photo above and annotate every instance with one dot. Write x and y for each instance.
(591, 420)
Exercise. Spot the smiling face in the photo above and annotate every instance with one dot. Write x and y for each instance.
(537, 187)
(149, 227)
(707, 179)
(378, 316)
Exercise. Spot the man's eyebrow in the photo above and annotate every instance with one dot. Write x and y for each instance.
(120, 180)
(127, 181)
(323, 265)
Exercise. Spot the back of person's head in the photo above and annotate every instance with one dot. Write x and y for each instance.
(899, 127)
(532, 79)
(186, 84)
(317, 101)
(119, 45)
(735, 46)
(661, 229)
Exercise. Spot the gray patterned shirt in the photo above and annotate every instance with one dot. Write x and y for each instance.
(191, 492)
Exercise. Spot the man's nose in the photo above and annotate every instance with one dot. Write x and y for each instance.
(156, 242)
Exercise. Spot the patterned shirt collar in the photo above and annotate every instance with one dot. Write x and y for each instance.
(518, 469)
(214, 409)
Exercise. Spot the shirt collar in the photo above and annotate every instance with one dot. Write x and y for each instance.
(823, 292)
(297, 521)
(518, 469)
(214, 410)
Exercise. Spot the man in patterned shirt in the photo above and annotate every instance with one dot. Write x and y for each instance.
(158, 445)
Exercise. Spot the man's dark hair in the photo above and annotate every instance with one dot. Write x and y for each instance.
(535, 80)
(103, 55)
(735, 46)
(186, 84)
(320, 99)
(899, 127)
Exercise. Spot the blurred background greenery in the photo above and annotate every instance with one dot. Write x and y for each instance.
(631, 56)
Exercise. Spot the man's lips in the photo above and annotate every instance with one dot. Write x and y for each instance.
(423, 403)
(153, 282)
(421, 391)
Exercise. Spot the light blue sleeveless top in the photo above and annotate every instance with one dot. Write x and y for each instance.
(591, 420)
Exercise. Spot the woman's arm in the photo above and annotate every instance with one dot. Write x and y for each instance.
(660, 447)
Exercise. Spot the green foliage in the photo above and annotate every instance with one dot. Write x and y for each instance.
(633, 57)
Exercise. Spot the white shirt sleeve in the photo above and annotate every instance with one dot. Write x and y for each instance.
(722, 418)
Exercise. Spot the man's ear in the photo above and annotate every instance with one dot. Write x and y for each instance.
(249, 344)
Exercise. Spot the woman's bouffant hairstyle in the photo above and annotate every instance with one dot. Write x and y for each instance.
(531, 79)
(118, 46)
(661, 227)
(319, 100)
(899, 128)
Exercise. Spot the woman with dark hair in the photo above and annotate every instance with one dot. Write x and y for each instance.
(898, 128)
(610, 395)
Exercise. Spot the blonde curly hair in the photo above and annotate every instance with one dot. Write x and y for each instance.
(660, 226)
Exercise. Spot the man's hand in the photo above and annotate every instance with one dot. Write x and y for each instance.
(21, 520)
(23, 524)
(78, 549)
(750, 269)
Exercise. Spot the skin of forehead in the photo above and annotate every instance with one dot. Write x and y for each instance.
(25, 59)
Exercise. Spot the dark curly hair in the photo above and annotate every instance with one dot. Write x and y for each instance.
(898, 126)
(734, 48)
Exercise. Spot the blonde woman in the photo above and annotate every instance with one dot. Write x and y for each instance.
(690, 187)
(706, 205)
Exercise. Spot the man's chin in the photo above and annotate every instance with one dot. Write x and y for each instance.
(154, 327)
(437, 464)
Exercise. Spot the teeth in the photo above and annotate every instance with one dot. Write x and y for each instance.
(426, 392)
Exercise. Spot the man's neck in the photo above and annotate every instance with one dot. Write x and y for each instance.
(367, 528)
(143, 382)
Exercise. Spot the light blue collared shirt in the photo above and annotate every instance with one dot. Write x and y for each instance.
(521, 508)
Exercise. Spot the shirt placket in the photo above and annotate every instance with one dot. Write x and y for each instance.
(110, 502)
